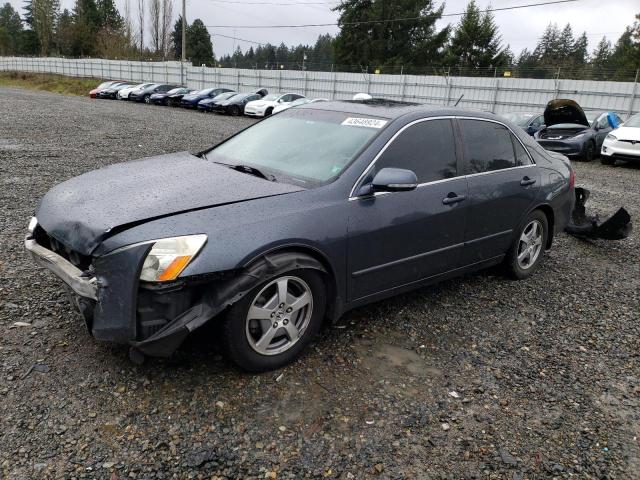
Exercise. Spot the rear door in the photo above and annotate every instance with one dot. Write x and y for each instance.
(399, 238)
(503, 184)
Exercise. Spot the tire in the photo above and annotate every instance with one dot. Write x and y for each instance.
(604, 160)
(523, 267)
(147, 99)
(235, 111)
(589, 152)
(242, 335)
(268, 112)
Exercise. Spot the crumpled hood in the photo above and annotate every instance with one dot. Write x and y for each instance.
(564, 111)
(84, 210)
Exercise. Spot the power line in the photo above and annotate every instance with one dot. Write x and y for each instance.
(367, 22)
(240, 39)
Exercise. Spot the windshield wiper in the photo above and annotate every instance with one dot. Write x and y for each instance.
(254, 171)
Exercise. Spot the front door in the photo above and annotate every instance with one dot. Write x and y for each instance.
(399, 238)
(503, 184)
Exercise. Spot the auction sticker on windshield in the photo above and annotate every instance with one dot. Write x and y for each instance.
(365, 122)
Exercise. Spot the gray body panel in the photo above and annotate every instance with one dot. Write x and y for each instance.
(373, 247)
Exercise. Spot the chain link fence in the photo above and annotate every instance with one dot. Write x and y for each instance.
(498, 93)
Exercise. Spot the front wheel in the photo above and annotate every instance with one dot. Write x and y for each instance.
(147, 99)
(235, 111)
(268, 112)
(589, 152)
(525, 255)
(272, 324)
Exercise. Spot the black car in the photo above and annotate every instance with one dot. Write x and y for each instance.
(569, 131)
(235, 104)
(174, 99)
(111, 92)
(528, 121)
(191, 100)
(206, 105)
(163, 98)
(144, 94)
(362, 201)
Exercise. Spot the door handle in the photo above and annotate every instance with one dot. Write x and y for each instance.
(527, 181)
(452, 198)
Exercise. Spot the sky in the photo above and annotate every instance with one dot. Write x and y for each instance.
(519, 28)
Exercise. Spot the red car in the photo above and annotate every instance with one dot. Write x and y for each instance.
(94, 93)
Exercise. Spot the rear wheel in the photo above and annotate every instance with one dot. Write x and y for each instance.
(589, 152)
(272, 324)
(525, 255)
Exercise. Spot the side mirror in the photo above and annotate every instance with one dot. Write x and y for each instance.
(394, 180)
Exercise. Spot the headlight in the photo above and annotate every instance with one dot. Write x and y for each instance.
(611, 137)
(169, 257)
(33, 223)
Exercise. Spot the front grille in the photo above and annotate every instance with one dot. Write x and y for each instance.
(83, 262)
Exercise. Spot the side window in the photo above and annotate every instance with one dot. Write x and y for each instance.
(426, 148)
(286, 98)
(522, 158)
(538, 121)
(603, 121)
(487, 146)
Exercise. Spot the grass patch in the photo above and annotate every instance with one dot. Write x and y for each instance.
(49, 82)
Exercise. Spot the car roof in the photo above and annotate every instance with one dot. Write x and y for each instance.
(392, 109)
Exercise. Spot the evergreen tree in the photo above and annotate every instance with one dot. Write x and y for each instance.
(476, 43)
(580, 52)
(199, 47)
(386, 42)
(10, 30)
(176, 38)
(86, 21)
(109, 16)
(625, 58)
(65, 33)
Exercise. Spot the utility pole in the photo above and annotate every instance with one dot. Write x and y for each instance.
(184, 30)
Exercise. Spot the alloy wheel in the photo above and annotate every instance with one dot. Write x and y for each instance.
(530, 244)
(279, 315)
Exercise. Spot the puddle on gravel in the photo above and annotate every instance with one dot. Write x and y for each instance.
(387, 360)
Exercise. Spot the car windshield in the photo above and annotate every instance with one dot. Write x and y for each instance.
(520, 119)
(271, 98)
(633, 121)
(316, 145)
(175, 90)
(206, 91)
(224, 96)
(299, 101)
(106, 84)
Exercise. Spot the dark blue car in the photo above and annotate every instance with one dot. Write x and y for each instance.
(356, 202)
(191, 100)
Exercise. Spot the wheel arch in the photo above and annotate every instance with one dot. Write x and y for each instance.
(328, 271)
(551, 220)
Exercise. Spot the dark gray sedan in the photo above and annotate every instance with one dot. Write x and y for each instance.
(354, 202)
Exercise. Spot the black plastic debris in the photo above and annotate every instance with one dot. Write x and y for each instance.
(617, 227)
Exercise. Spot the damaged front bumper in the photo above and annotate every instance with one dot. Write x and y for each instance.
(616, 227)
(152, 318)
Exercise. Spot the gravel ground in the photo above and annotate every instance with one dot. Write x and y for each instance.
(478, 377)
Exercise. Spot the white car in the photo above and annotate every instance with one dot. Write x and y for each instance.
(623, 143)
(264, 107)
(124, 93)
(295, 103)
